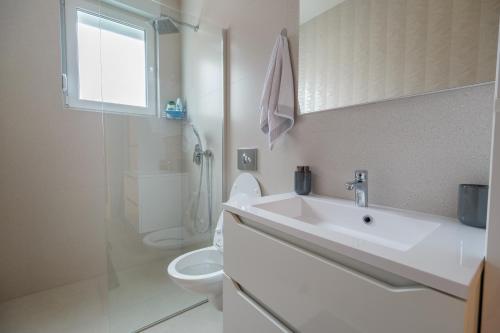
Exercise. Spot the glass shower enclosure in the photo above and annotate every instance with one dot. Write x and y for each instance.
(113, 115)
(161, 98)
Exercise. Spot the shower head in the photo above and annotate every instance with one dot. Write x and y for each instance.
(165, 25)
(169, 25)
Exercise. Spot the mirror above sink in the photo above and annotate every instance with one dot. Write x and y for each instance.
(355, 52)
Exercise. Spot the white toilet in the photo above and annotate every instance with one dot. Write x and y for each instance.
(200, 271)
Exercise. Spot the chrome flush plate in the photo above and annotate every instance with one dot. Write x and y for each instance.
(247, 159)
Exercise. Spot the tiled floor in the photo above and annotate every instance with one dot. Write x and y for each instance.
(77, 308)
(144, 295)
(202, 319)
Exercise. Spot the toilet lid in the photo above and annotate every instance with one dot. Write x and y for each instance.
(244, 187)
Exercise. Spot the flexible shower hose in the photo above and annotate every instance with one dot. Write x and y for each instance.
(200, 227)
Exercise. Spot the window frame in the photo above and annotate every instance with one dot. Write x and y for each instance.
(69, 33)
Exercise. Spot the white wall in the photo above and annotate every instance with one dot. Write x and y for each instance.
(51, 165)
(417, 150)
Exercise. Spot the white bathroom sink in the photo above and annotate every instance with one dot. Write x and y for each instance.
(390, 228)
(435, 251)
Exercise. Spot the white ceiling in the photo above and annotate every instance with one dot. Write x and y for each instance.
(313, 8)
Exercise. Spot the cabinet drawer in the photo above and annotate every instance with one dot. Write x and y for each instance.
(314, 294)
(244, 315)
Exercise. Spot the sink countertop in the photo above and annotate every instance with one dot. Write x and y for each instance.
(446, 260)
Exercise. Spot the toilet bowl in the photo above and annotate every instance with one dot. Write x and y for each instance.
(164, 239)
(201, 271)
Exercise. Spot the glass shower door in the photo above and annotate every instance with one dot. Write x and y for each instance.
(145, 228)
(163, 175)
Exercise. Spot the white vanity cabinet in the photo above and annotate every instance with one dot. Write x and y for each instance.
(304, 292)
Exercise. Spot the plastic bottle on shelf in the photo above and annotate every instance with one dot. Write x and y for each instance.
(178, 105)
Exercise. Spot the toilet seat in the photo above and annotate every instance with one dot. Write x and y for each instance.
(201, 271)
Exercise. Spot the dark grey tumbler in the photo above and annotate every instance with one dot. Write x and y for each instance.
(473, 204)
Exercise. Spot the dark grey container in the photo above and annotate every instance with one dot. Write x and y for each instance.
(303, 180)
(299, 180)
(473, 204)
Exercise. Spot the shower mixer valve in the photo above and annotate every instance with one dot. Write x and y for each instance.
(197, 154)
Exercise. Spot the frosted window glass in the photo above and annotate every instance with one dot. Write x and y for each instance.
(111, 61)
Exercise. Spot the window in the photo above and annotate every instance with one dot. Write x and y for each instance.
(108, 59)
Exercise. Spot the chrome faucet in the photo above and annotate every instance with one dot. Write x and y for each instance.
(360, 187)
